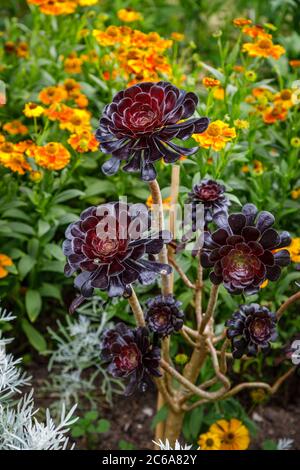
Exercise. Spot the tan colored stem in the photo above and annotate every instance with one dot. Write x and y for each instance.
(136, 309)
(160, 427)
(163, 256)
(181, 273)
(286, 304)
(198, 294)
(210, 307)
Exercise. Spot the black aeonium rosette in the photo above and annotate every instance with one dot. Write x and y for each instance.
(139, 125)
(251, 329)
(110, 246)
(242, 250)
(164, 315)
(131, 355)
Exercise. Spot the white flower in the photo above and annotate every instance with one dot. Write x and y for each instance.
(285, 444)
(166, 445)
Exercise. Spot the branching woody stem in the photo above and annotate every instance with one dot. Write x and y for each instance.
(181, 273)
(136, 309)
(286, 304)
(210, 308)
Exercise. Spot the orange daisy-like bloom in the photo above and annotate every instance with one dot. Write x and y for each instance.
(295, 63)
(5, 261)
(295, 193)
(53, 156)
(84, 142)
(216, 135)
(53, 94)
(263, 48)
(240, 22)
(24, 145)
(15, 127)
(233, 434)
(13, 159)
(72, 64)
(79, 121)
(59, 112)
(273, 114)
(210, 82)
(128, 15)
(57, 7)
(258, 168)
(256, 32)
(22, 50)
(294, 250)
(177, 36)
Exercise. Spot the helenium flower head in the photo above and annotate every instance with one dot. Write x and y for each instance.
(245, 250)
(251, 329)
(139, 125)
(131, 354)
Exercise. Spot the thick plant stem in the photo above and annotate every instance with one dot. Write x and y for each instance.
(163, 256)
(174, 426)
(160, 427)
(286, 304)
(136, 309)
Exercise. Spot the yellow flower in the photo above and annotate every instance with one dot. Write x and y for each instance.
(258, 395)
(53, 156)
(181, 359)
(219, 93)
(241, 124)
(87, 3)
(232, 434)
(129, 15)
(250, 75)
(295, 193)
(33, 110)
(295, 142)
(35, 176)
(264, 284)
(15, 127)
(22, 50)
(166, 203)
(72, 64)
(294, 250)
(4, 262)
(53, 94)
(264, 47)
(209, 441)
(216, 135)
(77, 122)
(210, 82)
(12, 158)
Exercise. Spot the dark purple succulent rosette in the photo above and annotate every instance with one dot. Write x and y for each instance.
(211, 195)
(241, 250)
(112, 261)
(251, 329)
(164, 315)
(140, 123)
(131, 355)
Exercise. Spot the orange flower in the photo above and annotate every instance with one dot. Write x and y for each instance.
(56, 7)
(295, 63)
(5, 261)
(84, 142)
(263, 48)
(166, 203)
(59, 112)
(273, 114)
(177, 36)
(128, 15)
(24, 145)
(240, 22)
(256, 31)
(210, 82)
(53, 94)
(13, 159)
(72, 64)
(10, 47)
(22, 50)
(216, 135)
(15, 127)
(295, 193)
(70, 85)
(53, 156)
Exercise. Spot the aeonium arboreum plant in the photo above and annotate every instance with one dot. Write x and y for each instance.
(243, 253)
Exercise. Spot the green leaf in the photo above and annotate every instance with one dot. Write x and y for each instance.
(124, 445)
(50, 290)
(34, 337)
(99, 187)
(66, 195)
(43, 227)
(161, 415)
(25, 265)
(20, 227)
(77, 431)
(33, 304)
(54, 251)
(91, 415)
(103, 425)
(269, 444)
